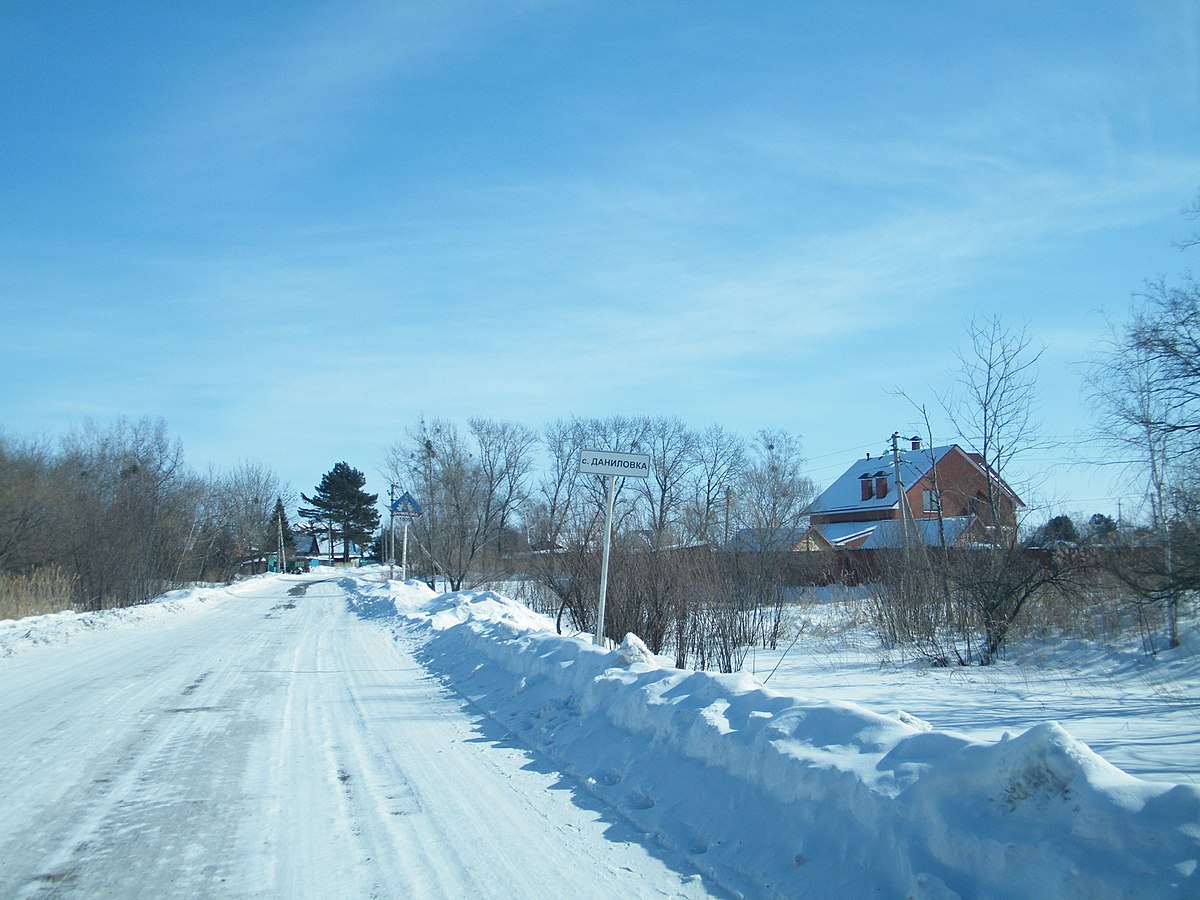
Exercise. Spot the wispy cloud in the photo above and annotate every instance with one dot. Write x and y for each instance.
(281, 100)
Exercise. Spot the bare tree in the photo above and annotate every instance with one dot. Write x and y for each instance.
(26, 533)
(1165, 335)
(1193, 238)
(557, 490)
(772, 496)
(505, 462)
(470, 486)
(1146, 388)
(772, 492)
(988, 587)
(656, 601)
(720, 459)
(565, 527)
(672, 448)
(240, 521)
(128, 505)
(992, 407)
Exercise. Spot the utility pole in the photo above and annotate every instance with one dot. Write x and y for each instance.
(391, 531)
(899, 489)
(281, 559)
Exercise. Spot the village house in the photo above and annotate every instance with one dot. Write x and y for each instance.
(945, 496)
(314, 547)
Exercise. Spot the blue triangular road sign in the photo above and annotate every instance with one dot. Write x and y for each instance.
(406, 505)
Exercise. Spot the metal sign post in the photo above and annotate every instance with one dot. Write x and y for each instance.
(600, 462)
(404, 554)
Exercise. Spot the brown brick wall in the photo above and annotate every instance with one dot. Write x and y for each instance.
(964, 492)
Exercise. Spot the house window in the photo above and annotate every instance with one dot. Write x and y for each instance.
(931, 503)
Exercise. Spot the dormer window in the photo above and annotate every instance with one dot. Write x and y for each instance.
(881, 484)
(867, 484)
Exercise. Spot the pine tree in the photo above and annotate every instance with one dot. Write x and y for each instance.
(341, 503)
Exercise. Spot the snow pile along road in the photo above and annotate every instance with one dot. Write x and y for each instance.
(20, 635)
(775, 794)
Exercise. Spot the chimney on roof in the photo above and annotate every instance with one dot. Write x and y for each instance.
(881, 484)
(916, 441)
(865, 481)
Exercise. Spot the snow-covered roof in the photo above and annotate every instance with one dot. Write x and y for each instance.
(316, 543)
(756, 540)
(845, 494)
(839, 534)
(887, 534)
(304, 543)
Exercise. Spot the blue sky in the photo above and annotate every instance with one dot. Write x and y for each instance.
(291, 229)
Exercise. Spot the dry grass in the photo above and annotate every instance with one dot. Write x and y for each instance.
(43, 591)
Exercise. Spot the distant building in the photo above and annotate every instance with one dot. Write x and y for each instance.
(313, 545)
(766, 540)
(945, 497)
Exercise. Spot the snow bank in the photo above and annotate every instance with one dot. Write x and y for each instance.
(791, 796)
(20, 635)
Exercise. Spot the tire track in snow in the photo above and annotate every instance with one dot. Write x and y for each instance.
(375, 838)
(281, 746)
(141, 809)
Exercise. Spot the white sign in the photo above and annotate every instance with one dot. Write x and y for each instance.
(614, 465)
(602, 462)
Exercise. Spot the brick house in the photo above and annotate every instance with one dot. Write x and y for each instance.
(945, 491)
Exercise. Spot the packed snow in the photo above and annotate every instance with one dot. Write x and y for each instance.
(704, 784)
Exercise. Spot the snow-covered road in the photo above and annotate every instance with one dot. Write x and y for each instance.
(273, 742)
(352, 737)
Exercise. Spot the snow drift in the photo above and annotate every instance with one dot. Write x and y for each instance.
(20, 635)
(791, 796)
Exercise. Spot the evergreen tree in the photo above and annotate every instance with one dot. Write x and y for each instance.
(341, 503)
(1059, 529)
(1101, 526)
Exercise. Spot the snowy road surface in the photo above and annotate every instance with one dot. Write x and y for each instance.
(273, 743)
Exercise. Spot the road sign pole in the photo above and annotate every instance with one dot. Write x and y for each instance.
(406, 508)
(610, 464)
(599, 639)
(404, 554)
